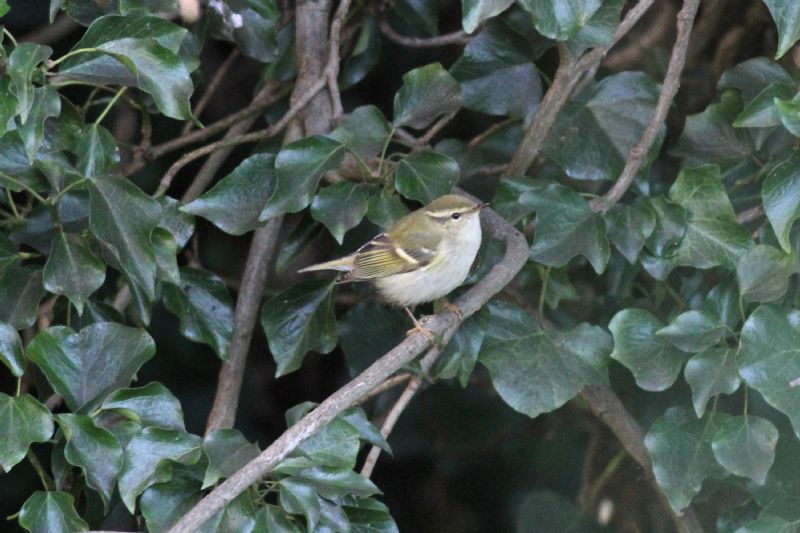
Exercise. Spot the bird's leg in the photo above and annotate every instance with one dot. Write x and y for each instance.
(419, 327)
(444, 303)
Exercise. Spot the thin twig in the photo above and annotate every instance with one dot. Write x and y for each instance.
(211, 89)
(443, 323)
(749, 215)
(388, 383)
(436, 128)
(669, 89)
(51, 33)
(455, 38)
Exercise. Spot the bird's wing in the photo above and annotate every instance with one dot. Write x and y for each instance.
(380, 257)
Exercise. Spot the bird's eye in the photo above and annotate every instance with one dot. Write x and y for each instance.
(455, 216)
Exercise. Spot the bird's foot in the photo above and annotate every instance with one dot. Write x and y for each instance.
(419, 327)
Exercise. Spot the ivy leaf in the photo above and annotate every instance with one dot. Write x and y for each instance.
(163, 504)
(365, 54)
(370, 516)
(497, 74)
(46, 104)
(136, 50)
(151, 405)
(516, 198)
(166, 250)
(95, 450)
(72, 269)
(205, 309)
(334, 483)
(769, 358)
(97, 150)
(566, 227)
(427, 93)
(235, 202)
(340, 206)
(786, 15)
(763, 273)
(781, 195)
(227, 451)
(629, 227)
(693, 331)
(147, 460)
(253, 26)
(336, 445)
(710, 373)
(680, 447)
(474, 12)
(560, 20)
(11, 350)
(789, 112)
(299, 497)
(713, 237)
(51, 512)
(20, 291)
(178, 223)
(298, 320)
(123, 216)
(8, 104)
(537, 371)
(745, 446)
(760, 112)
(357, 418)
(24, 421)
(599, 30)
(298, 169)
(425, 176)
(22, 62)
(84, 367)
(461, 353)
(609, 119)
(654, 362)
(363, 131)
(385, 208)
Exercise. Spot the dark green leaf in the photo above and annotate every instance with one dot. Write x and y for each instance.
(516, 198)
(425, 176)
(356, 417)
(269, 518)
(427, 93)
(46, 104)
(235, 203)
(335, 445)
(566, 227)
(21, 63)
(629, 226)
(51, 512)
(497, 74)
(769, 524)
(461, 353)
(299, 497)
(537, 371)
(666, 237)
(164, 503)
(761, 112)
(122, 216)
(693, 331)
(781, 195)
(335, 483)
(560, 20)
(20, 291)
(654, 362)
(763, 273)
(4, 8)
(745, 446)
(251, 25)
(11, 350)
(786, 14)
(84, 367)
(609, 120)
(599, 30)
(8, 253)
(753, 76)
(227, 451)
(147, 460)
(298, 320)
(298, 169)
(165, 249)
(363, 131)
(475, 12)
(94, 450)
(385, 208)
(680, 447)
(340, 207)
(364, 56)
(73, 270)
(710, 373)
(769, 358)
(39, 229)
(24, 420)
(789, 112)
(151, 405)
(205, 308)
(97, 150)
(8, 103)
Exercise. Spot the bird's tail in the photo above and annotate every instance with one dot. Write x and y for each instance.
(345, 264)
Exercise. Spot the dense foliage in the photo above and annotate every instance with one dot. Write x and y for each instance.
(121, 277)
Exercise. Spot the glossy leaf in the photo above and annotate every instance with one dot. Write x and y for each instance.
(537, 371)
(236, 201)
(693, 331)
(781, 195)
(654, 362)
(340, 206)
(122, 216)
(97, 150)
(334, 483)
(566, 227)
(786, 15)
(20, 291)
(298, 320)
(163, 504)
(51, 512)
(370, 516)
(769, 358)
(147, 460)
(298, 169)
(425, 176)
(205, 308)
(227, 451)
(475, 12)
(745, 446)
(427, 93)
(560, 20)
(680, 447)
(761, 111)
(763, 273)
(94, 450)
(516, 198)
(178, 223)
(629, 227)
(165, 249)
(73, 270)
(385, 208)
(11, 350)
(24, 421)
(299, 497)
(46, 104)
(151, 405)
(599, 30)
(461, 353)
(252, 26)
(709, 373)
(363, 131)
(22, 62)
(789, 112)
(108, 352)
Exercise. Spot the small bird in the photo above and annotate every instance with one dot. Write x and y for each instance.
(422, 257)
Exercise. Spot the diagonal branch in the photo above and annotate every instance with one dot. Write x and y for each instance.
(455, 38)
(443, 323)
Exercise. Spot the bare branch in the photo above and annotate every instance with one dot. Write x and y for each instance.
(443, 323)
(211, 89)
(749, 215)
(669, 89)
(455, 38)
